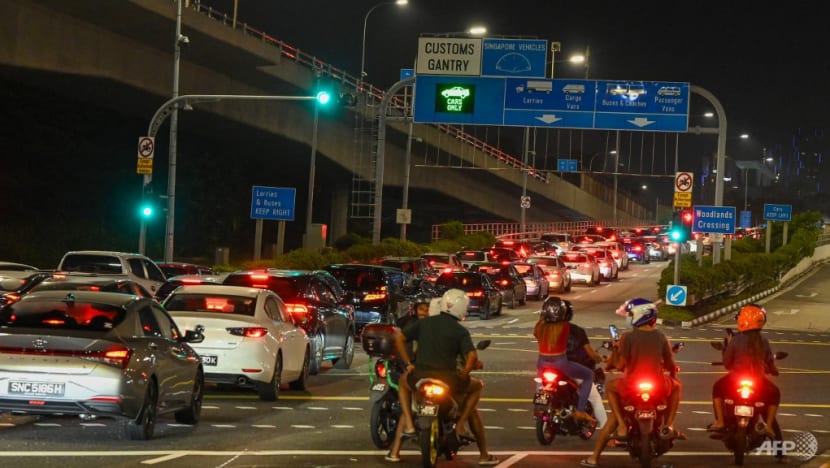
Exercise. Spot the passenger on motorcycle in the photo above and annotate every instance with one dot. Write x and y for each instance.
(551, 332)
(580, 351)
(641, 350)
(748, 352)
(441, 340)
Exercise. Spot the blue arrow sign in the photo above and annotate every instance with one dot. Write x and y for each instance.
(514, 57)
(676, 295)
(774, 212)
(713, 219)
(561, 103)
(566, 165)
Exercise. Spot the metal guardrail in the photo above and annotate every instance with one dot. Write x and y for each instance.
(351, 82)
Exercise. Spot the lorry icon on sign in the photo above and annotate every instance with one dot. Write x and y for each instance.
(537, 86)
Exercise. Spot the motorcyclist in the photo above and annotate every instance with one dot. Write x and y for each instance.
(551, 332)
(580, 351)
(748, 353)
(643, 350)
(441, 339)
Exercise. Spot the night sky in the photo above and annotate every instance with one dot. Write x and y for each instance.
(766, 64)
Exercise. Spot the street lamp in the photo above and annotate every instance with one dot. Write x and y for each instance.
(576, 59)
(363, 46)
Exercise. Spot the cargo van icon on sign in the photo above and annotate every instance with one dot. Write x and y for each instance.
(573, 88)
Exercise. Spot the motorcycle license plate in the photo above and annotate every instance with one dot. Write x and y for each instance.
(379, 387)
(649, 414)
(741, 410)
(428, 410)
(541, 399)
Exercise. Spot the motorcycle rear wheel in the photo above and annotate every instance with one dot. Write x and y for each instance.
(740, 445)
(545, 429)
(429, 439)
(645, 444)
(383, 423)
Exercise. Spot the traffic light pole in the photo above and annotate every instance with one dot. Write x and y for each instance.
(165, 111)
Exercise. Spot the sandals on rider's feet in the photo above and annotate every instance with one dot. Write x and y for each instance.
(585, 462)
(409, 435)
(490, 460)
(618, 436)
(392, 458)
(714, 427)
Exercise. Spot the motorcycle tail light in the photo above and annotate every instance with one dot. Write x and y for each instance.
(376, 296)
(645, 390)
(380, 369)
(548, 376)
(745, 388)
(431, 390)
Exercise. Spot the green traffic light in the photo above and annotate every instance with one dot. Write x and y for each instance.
(323, 97)
(146, 211)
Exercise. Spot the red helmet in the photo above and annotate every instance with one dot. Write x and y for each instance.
(751, 317)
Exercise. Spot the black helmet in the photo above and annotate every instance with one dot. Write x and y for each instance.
(554, 310)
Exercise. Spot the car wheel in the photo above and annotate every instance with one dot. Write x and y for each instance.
(512, 301)
(302, 382)
(345, 361)
(523, 300)
(568, 287)
(192, 414)
(270, 391)
(317, 345)
(142, 427)
(498, 309)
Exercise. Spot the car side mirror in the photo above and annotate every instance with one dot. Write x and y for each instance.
(194, 336)
(483, 344)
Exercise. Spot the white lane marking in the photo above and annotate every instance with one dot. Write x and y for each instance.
(317, 408)
(264, 426)
(224, 426)
(163, 459)
(528, 428)
(489, 410)
(342, 426)
(245, 407)
(86, 424)
(282, 407)
(302, 426)
(517, 410)
(47, 424)
(513, 321)
(493, 427)
(352, 408)
(813, 415)
(204, 407)
(512, 460)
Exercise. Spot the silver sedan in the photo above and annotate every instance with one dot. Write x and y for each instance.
(98, 354)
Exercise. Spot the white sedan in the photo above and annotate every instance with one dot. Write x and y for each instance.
(251, 340)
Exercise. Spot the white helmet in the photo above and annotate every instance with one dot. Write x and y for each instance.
(455, 302)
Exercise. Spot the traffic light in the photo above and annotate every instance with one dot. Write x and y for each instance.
(323, 97)
(147, 210)
(677, 232)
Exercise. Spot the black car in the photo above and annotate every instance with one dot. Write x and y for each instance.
(73, 281)
(512, 287)
(416, 266)
(174, 282)
(380, 294)
(15, 283)
(485, 297)
(315, 305)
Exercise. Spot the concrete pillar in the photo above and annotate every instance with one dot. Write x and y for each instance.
(339, 223)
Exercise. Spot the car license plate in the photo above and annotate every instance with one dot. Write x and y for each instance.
(742, 410)
(379, 387)
(36, 388)
(210, 360)
(428, 410)
(650, 414)
(541, 399)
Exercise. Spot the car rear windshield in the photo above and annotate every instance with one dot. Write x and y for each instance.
(358, 279)
(473, 255)
(464, 282)
(213, 303)
(105, 264)
(285, 287)
(61, 315)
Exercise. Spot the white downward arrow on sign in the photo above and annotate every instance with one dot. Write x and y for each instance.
(641, 121)
(676, 296)
(548, 118)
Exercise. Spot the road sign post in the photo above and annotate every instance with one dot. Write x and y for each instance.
(774, 212)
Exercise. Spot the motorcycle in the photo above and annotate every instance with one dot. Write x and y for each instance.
(645, 411)
(744, 428)
(554, 404)
(384, 372)
(435, 411)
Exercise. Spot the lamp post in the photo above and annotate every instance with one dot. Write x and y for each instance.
(363, 43)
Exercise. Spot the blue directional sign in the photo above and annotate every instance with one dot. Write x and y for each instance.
(407, 73)
(713, 219)
(514, 57)
(566, 165)
(746, 219)
(774, 212)
(560, 103)
(273, 203)
(676, 295)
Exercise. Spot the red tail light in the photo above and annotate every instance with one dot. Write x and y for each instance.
(375, 296)
(504, 282)
(117, 356)
(549, 376)
(296, 308)
(248, 332)
(745, 388)
(637, 248)
(475, 294)
(645, 389)
(11, 297)
(380, 369)
(585, 265)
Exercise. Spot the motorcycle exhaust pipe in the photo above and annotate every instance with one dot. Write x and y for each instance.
(760, 428)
